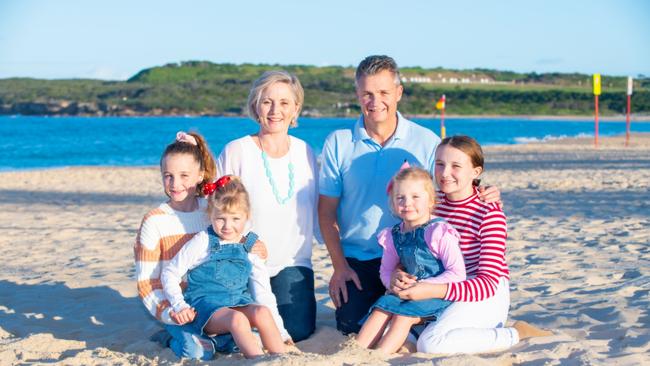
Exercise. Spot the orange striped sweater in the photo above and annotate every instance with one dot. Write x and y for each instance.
(162, 233)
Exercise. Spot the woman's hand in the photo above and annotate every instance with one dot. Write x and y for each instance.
(184, 316)
(400, 280)
(423, 291)
(259, 248)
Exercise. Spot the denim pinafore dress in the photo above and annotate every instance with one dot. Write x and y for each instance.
(417, 259)
(222, 281)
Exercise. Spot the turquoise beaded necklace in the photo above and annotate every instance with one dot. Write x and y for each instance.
(269, 175)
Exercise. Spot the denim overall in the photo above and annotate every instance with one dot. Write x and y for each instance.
(222, 281)
(417, 259)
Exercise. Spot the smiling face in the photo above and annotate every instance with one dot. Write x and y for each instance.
(378, 96)
(455, 172)
(277, 108)
(229, 226)
(181, 174)
(412, 202)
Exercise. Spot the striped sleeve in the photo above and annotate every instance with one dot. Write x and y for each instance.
(491, 261)
(152, 249)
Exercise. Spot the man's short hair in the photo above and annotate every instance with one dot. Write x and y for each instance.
(375, 64)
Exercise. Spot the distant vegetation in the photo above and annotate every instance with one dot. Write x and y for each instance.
(205, 88)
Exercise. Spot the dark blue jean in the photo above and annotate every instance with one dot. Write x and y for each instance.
(293, 288)
(186, 342)
(350, 313)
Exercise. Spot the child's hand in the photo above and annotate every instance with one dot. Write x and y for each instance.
(259, 248)
(419, 291)
(490, 194)
(400, 280)
(184, 316)
(424, 290)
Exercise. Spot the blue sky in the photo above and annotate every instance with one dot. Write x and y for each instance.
(115, 39)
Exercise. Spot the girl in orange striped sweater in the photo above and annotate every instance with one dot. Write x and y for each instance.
(186, 165)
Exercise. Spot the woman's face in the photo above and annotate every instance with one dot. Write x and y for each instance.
(277, 108)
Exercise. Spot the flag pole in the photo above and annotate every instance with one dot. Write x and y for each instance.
(629, 110)
(596, 86)
(441, 104)
(442, 124)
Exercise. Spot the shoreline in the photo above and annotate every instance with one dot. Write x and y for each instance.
(571, 118)
(563, 141)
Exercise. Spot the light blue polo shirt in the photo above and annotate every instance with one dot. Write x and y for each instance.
(356, 169)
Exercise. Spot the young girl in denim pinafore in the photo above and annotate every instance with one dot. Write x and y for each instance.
(425, 246)
(217, 299)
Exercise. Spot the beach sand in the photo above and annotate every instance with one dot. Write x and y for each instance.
(578, 251)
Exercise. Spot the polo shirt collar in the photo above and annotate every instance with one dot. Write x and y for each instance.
(360, 132)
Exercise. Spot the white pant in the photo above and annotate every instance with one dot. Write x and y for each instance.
(472, 327)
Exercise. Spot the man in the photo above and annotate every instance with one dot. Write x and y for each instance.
(357, 164)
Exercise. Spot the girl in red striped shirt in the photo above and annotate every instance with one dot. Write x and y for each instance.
(475, 322)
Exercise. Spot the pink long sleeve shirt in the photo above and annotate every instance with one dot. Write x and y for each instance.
(442, 240)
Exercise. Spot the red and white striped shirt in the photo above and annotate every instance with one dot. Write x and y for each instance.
(483, 232)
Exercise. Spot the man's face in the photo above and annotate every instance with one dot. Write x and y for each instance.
(378, 96)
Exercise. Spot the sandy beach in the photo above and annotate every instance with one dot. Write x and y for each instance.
(578, 251)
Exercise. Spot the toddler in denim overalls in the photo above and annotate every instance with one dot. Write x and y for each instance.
(426, 247)
(221, 281)
(217, 264)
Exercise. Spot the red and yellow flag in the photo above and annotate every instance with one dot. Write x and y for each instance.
(441, 103)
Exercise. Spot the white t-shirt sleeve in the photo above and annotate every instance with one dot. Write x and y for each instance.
(229, 161)
(259, 285)
(194, 253)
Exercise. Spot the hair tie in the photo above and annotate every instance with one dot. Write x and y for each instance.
(389, 187)
(209, 188)
(183, 137)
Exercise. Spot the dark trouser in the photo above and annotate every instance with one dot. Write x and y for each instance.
(293, 288)
(350, 313)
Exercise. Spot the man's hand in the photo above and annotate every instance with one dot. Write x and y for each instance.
(339, 287)
(259, 248)
(490, 194)
(184, 316)
(400, 280)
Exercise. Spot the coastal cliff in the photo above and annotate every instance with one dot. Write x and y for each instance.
(207, 89)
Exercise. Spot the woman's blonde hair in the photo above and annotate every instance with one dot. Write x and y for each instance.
(230, 197)
(267, 79)
(412, 173)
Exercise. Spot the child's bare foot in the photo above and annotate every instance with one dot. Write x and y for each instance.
(408, 347)
(527, 330)
(291, 348)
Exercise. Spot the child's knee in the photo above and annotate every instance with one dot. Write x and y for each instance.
(237, 320)
(406, 320)
(260, 313)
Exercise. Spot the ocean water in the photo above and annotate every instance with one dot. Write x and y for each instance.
(42, 142)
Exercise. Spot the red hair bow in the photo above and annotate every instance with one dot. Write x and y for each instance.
(209, 188)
